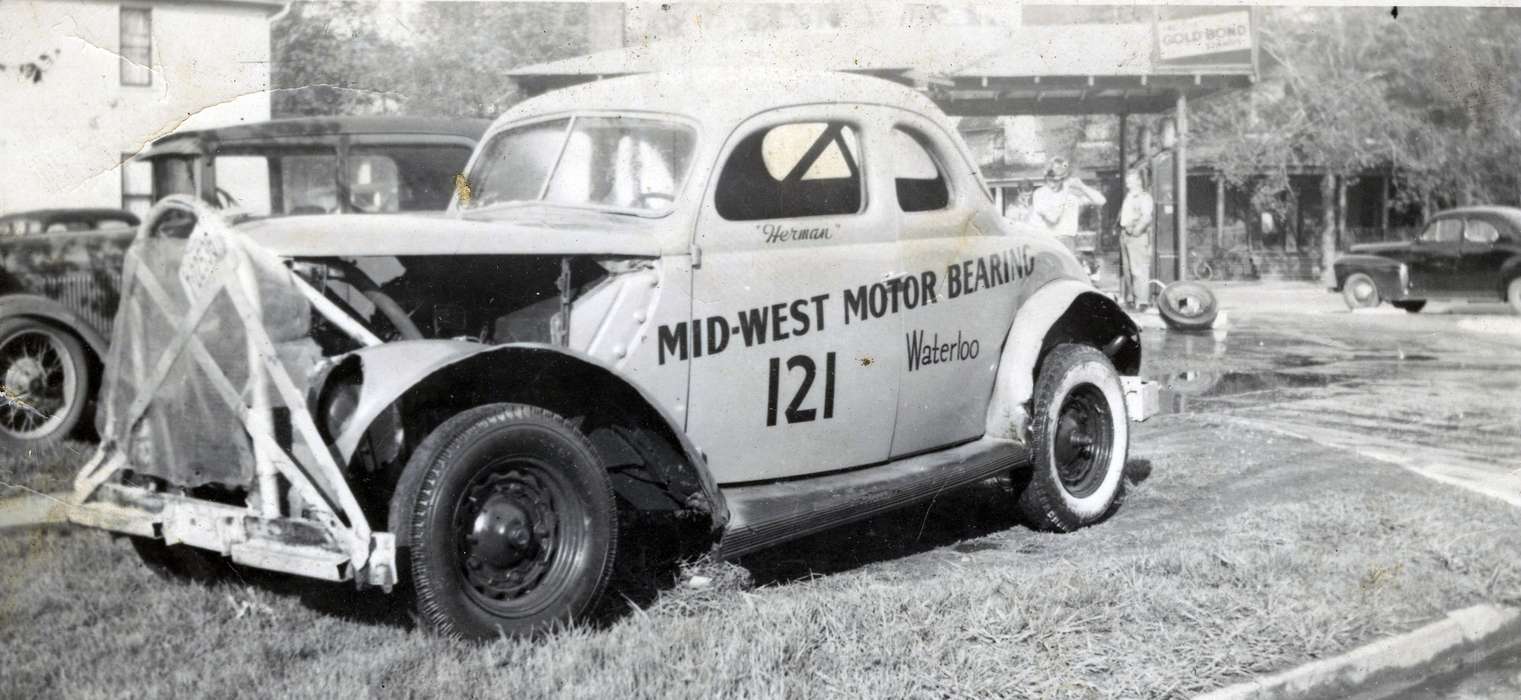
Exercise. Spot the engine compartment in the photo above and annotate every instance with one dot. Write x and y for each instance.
(490, 299)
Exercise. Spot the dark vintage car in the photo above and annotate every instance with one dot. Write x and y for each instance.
(59, 292)
(28, 223)
(1471, 253)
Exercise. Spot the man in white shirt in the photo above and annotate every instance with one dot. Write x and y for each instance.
(1059, 202)
(1137, 219)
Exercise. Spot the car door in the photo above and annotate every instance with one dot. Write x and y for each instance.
(955, 284)
(794, 369)
(1434, 258)
(1479, 265)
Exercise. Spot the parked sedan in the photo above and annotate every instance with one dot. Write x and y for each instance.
(1471, 253)
(26, 223)
(59, 292)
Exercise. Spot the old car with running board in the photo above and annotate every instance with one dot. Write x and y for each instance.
(761, 317)
(1464, 254)
(59, 292)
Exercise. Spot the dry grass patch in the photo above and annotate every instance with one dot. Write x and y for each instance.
(1236, 553)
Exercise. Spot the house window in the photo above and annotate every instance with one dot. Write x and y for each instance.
(136, 46)
(136, 185)
(792, 170)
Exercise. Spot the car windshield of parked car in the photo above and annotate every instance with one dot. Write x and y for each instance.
(617, 163)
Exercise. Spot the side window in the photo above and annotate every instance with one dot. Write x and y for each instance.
(792, 170)
(916, 177)
(246, 180)
(1444, 231)
(309, 184)
(1480, 231)
(374, 184)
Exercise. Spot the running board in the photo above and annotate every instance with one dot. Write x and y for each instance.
(767, 514)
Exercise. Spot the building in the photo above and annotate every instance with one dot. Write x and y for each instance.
(86, 84)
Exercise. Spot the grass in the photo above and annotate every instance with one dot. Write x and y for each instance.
(1236, 553)
(46, 469)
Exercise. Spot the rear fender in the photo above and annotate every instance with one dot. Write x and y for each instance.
(1063, 311)
(459, 374)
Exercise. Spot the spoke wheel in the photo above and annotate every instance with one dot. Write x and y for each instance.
(45, 382)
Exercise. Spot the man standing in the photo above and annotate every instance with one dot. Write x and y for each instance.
(1137, 216)
(1059, 202)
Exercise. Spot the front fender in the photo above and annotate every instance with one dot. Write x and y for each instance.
(391, 370)
(1036, 327)
(1384, 271)
(18, 305)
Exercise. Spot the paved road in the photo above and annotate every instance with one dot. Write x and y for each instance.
(1439, 393)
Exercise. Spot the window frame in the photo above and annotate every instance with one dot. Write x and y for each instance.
(917, 134)
(474, 164)
(1435, 226)
(1467, 226)
(128, 67)
(128, 195)
(779, 119)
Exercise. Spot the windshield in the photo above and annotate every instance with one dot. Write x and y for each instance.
(606, 162)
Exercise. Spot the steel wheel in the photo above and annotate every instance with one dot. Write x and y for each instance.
(1084, 439)
(45, 381)
(519, 531)
(509, 523)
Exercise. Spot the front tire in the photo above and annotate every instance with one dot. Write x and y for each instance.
(1080, 440)
(509, 523)
(46, 383)
(1359, 292)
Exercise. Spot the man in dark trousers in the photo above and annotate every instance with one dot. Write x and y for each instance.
(1137, 219)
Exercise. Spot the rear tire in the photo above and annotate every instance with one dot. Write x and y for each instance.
(1359, 292)
(1413, 307)
(508, 523)
(1080, 441)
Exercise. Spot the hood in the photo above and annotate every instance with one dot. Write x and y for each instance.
(1378, 248)
(355, 235)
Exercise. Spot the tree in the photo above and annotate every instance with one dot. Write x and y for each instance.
(329, 58)
(464, 50)
(1429, 94)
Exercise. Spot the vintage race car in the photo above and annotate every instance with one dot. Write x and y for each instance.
(758, 316)
(58, 293)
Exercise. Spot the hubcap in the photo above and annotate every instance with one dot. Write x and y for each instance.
(1084, 438)
(511, 539)
(1363, 292)
(38, 383)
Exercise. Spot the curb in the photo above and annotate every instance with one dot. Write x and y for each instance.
(1469, 634)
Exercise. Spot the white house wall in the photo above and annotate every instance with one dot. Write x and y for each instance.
(62, 139)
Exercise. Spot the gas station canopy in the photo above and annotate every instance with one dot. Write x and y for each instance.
(1134, 68)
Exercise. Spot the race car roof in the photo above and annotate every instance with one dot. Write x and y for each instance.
(713, 96)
